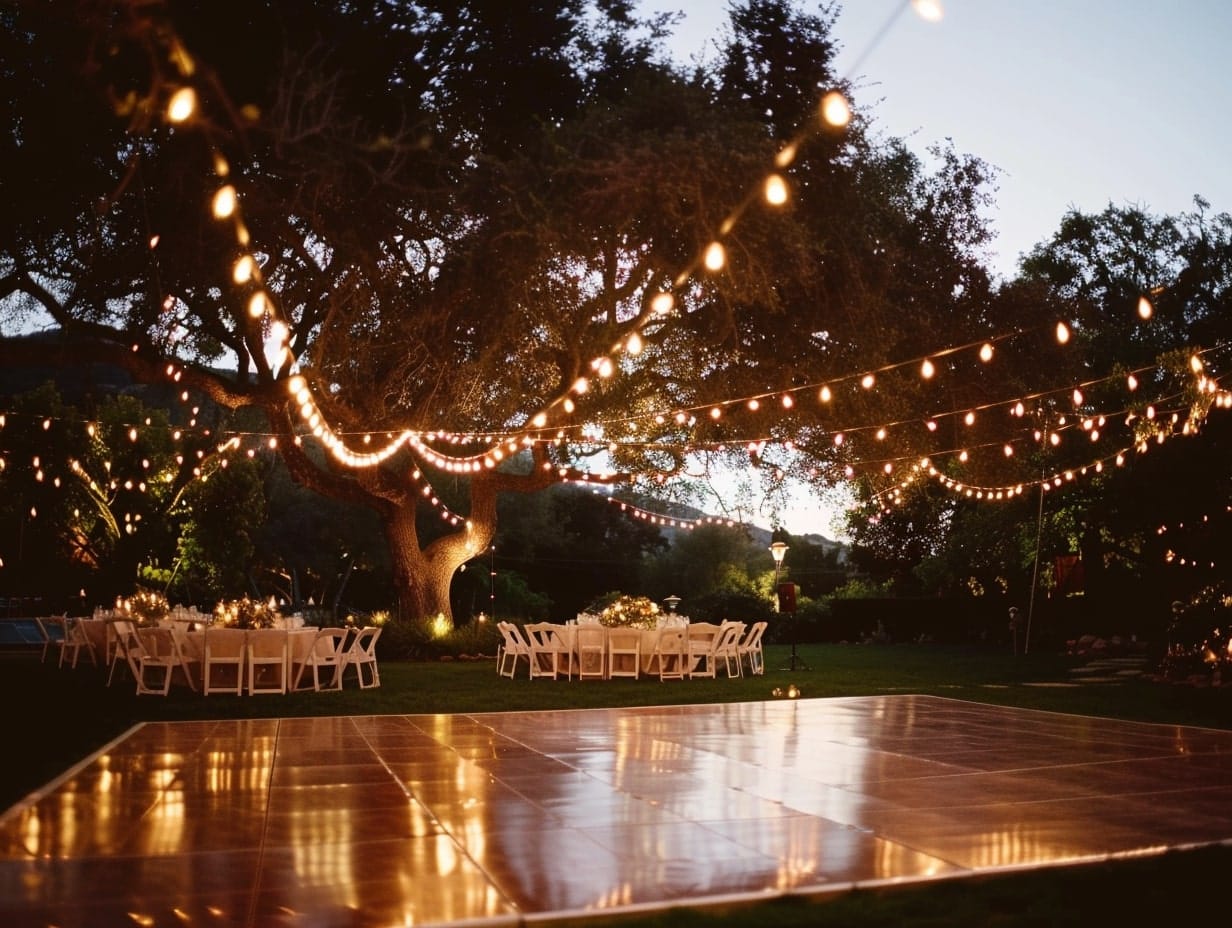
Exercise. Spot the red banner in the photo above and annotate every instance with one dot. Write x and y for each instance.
(1071, 577)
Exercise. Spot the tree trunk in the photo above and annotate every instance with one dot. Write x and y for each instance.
(422, 577)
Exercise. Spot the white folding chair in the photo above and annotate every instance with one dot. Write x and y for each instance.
(75, 641)
(327, 657)
(120, 635)
(750, 649)
(700, 649)
(154, 652)
(668, 658)
(362, 654)
(187, 659)
(225, 651)
(513, 646)
(727, 648)
(545, 650)
(51, 628)
(267, 660)
(624, 652)
(590, 648)
(110, 643)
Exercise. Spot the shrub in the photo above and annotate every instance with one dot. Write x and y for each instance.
(474, 638)
(416, 641)
(404, 641)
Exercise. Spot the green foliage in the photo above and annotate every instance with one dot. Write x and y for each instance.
(988, 550)
(473, 639)
(479, 589)
(516, 601)
(312, 546)
(812, 615)
(722, 604)
(862, 588)
(1199, 637)
(97, 489)
(44, 543)
(572, 542)
(222, 515)
(708, 558)
(154, 576)
(404, 641)
(414, 641)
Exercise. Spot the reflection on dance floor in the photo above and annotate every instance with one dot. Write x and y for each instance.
(430, 819)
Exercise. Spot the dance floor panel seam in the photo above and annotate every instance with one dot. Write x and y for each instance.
(507, 818)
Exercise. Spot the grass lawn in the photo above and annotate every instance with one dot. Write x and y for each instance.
(59, 716)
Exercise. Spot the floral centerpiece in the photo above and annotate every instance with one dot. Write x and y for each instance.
(145, 607)
(631, 612)
(247, 613)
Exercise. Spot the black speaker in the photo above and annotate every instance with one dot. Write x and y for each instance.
(787, 597)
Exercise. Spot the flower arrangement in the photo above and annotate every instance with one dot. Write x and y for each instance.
(247, 613)
(631, 612)
(146, 607)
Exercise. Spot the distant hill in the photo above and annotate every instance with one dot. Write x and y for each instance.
(75, 382)
(757, 533)
(82, 385)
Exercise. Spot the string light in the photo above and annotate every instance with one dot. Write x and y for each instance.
(245, 269)
(225, 201)
(929, 10)
(835, 110)
(776, 190)
(669, 521)
(182, 105)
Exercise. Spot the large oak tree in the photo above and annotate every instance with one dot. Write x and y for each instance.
(465, 217)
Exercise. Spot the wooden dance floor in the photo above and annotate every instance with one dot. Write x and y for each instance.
(509, 818)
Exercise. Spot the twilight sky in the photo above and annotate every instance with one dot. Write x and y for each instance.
(1079, 103)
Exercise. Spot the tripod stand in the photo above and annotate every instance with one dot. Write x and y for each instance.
(795, 662)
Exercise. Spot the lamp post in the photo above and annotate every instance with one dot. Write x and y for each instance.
(778, 551)
(671, 602)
